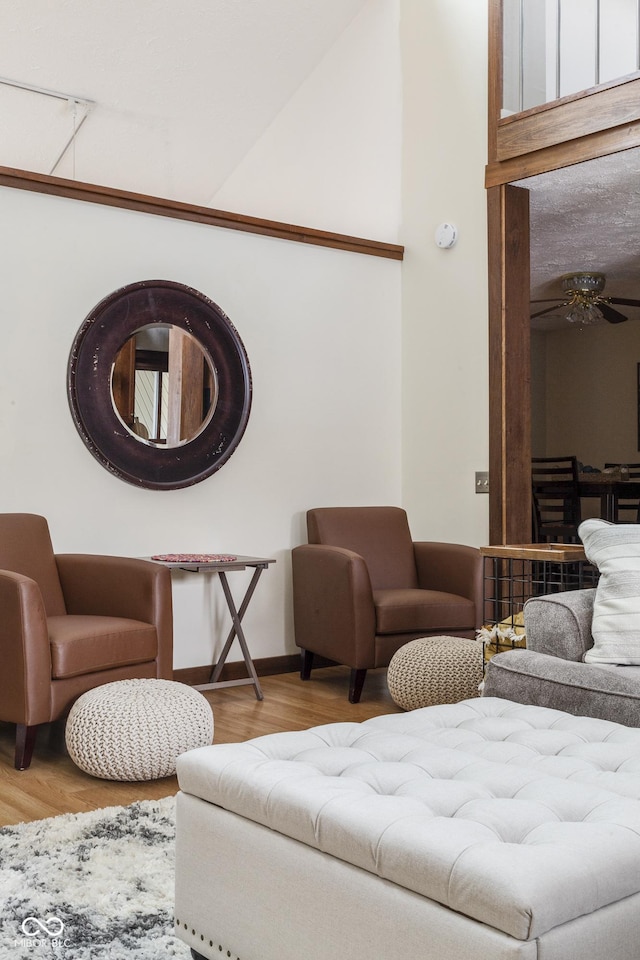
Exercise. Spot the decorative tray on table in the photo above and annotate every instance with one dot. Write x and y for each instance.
(195, 557)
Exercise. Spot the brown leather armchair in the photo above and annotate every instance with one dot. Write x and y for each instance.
(362, 589)
(72, 622)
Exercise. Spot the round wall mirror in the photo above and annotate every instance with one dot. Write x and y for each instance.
(159, 384)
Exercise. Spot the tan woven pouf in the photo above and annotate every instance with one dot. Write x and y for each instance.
(435, 670)
(135, 729)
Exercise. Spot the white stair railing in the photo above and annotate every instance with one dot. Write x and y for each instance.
(553, 48)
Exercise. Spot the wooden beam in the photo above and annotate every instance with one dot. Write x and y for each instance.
(509, 366)
(159, 206)
(600, 144)
(595, 123)
(571, 118)
(495, 76)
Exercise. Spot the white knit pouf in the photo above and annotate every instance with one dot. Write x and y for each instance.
(435, 670)
(135, 729)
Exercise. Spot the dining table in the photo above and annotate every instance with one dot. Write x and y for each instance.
(610, 488)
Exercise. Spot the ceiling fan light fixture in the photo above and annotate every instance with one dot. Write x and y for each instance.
(584, 313)
(583, 291)
(583, 298)
(583, 285)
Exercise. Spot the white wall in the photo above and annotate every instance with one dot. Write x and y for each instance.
(591, 382)
(331, 158)
(322, 331)
(445, 406)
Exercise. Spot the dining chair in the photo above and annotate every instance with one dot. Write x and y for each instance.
(630, 508)
(555, 499)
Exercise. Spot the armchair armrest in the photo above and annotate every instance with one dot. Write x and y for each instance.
(452, 568)
(121, 587)
(559, 624)
(333, 609)
(25, 678)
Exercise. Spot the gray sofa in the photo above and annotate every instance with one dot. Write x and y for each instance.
(550, 672)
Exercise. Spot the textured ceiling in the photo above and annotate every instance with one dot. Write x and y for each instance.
(587, 217)
(181, 90)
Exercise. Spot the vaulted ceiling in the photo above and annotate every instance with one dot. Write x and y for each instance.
(178, 91)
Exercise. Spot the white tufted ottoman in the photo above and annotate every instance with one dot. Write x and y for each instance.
(483, 830)
(435, 670)
(135, 729)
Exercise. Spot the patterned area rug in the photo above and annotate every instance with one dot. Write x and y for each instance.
(90, 885)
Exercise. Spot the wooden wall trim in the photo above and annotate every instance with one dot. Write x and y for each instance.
(236, 670)
(509, 366)
(159, 206)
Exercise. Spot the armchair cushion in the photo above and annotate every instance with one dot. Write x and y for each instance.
(615, 550)
(410, 611)
(86, 644)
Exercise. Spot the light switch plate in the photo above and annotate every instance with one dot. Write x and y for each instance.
(482, 481)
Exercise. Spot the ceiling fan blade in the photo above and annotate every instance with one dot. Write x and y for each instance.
(623, 301)
(610, 315)
(541, 313)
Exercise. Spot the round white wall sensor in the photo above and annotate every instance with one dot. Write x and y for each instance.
(446, 235)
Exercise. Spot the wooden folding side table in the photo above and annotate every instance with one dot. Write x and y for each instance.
(220, 564)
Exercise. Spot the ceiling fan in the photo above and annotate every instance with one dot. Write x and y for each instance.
(583, 296)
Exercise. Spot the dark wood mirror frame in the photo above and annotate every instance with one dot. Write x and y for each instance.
(95, 348)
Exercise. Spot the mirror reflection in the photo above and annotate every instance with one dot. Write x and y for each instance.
(163, 385)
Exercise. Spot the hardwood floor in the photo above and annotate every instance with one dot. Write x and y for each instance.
(54, 785)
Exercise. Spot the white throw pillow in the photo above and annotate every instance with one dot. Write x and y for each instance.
(615, 550)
